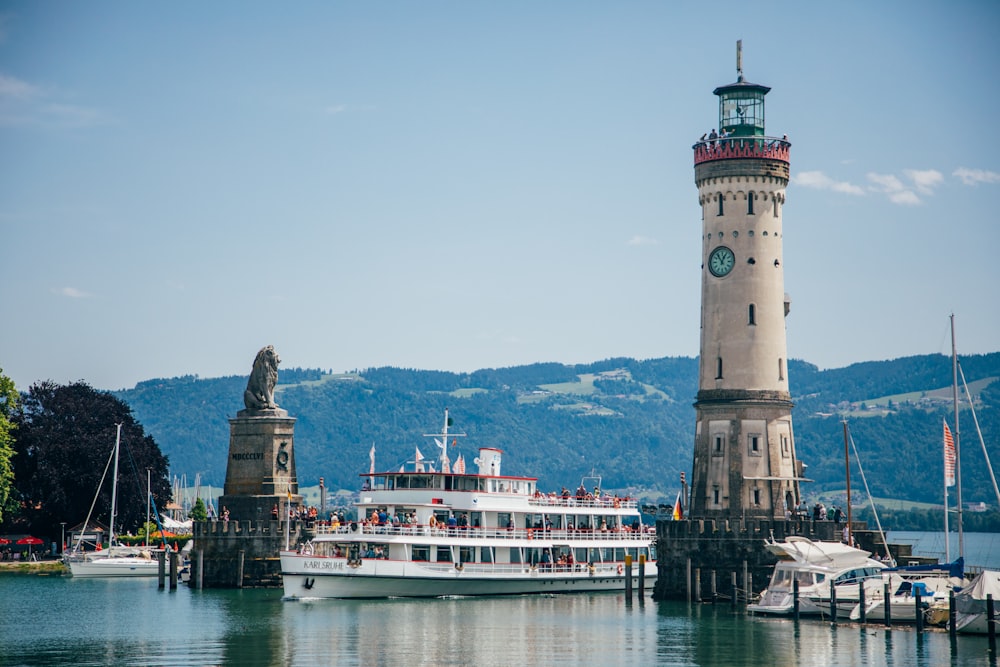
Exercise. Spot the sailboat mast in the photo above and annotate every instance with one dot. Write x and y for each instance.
(958, 438)
(114, 488)
(847, 465)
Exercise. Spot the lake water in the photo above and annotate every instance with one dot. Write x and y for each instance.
(58, 620)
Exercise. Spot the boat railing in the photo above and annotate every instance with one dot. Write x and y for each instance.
(625, 534)
(540, 569)
(603, 503)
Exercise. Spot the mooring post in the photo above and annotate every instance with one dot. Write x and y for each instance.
(795, 600)
(918, 611)
(200, 571)
(887, 604)
(161, 569)
(747, 583)
(991, 629)
(697, 584)
(833, 602)
(951, 614)
(715, 592)
(642, 575)
(861, 601)
(689, 580)
(735, 589)
(173, 570)
(628, 576)
(239, 569)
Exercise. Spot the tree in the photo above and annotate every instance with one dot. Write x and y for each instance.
(8, 405)
(66, 436)
(198, 512)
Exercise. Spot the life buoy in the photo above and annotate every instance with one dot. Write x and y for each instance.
(620, 570)
(531, 535)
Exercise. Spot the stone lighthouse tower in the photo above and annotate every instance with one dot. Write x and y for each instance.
(744, 451)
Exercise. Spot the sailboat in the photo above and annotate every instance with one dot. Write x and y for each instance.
(117, 560)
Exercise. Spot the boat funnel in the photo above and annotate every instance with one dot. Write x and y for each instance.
(489, 461)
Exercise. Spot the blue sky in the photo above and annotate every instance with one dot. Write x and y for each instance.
(456, 185)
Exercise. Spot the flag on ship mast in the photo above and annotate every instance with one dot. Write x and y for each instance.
(678, 508)
(419, 460)
(371, 456)
(460, 465)
(949, 457)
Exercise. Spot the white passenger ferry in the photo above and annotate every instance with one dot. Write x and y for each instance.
(441, 533)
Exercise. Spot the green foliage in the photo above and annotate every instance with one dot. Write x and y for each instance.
(198, 511)
(65, 438)
(930, 519)
(616, 430)
(9, 401)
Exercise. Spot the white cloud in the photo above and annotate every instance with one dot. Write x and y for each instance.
(67, 115)
(925, 180)
(335, 109)
(641, 240)
(820, 181)
(976, 176)
(892, 187)
(72, 293)
(15, 88)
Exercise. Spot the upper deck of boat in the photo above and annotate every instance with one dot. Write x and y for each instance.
(418, 487)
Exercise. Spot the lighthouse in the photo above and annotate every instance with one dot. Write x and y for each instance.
(744, 449)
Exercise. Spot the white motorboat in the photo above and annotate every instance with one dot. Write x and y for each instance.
(449, 533)
(814, 565)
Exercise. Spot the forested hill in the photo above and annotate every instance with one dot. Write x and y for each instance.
(630, 421)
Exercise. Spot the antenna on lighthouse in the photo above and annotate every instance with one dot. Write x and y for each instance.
(739, 60)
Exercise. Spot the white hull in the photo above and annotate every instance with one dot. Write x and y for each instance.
(972, 624)
(115, 566)
(308, 577)
(110, 565)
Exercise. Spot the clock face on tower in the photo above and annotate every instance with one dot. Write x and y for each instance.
(721, 261)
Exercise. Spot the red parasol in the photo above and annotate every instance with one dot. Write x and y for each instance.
(30, 540)
(4, 540)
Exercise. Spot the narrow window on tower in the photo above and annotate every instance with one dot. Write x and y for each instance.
(717, 444)
(715, 495)
(753, 444)
(721, 198)
(756, 496)
(781, 370)
(752, 315)
(749, 203)
(718, 369)
(784, 446)
(776, 203)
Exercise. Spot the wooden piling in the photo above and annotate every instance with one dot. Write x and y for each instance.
(161, 569)
(991, 628)
(628, 576)
(861, 602)
(887, 604)
(833, 602)
(239, 569)
(642, 575)
(795, 600)
(697, 584)
(733, 587)
(173, 570)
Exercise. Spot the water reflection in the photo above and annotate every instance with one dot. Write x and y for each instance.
(55, 621)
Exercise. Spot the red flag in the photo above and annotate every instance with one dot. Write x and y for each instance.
(949, 457)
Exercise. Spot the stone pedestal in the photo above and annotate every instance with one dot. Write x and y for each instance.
(260, 473)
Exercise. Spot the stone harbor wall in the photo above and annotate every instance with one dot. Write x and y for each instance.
(721, 547)
(240, 554)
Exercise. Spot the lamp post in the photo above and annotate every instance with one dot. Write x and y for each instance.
(62, 544)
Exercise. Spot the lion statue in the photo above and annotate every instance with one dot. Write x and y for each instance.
(260, 387)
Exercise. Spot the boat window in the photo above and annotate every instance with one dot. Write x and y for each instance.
(467, 555)
(619, 554)
(421, 552)
(581, 555)
(444, 555)
(485, 555)
(806, 578)
(504, 520)
(516, 556)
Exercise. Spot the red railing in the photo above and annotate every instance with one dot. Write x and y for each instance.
(736, 148)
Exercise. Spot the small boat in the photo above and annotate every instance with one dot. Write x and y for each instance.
(970, 603)
(117, 560)
(814, 565)
(426, 533)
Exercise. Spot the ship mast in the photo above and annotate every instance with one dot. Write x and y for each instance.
(958, 450)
